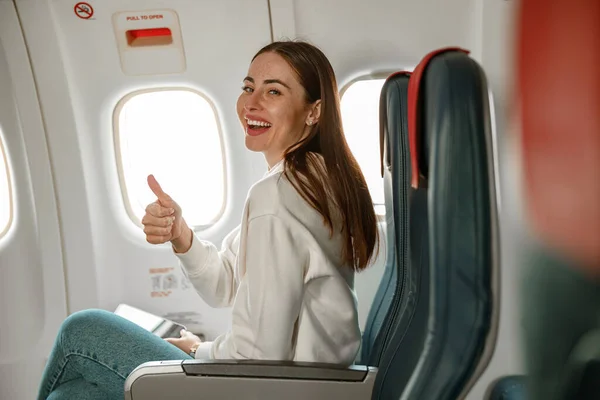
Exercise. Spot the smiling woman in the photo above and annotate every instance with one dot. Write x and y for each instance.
(287, 271)
(298, 89)
(274, 105)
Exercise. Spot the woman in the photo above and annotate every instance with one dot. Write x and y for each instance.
(287, 270)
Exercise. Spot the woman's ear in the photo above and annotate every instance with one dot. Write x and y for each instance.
(314, 113)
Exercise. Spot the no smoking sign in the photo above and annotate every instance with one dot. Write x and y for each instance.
(84, 10)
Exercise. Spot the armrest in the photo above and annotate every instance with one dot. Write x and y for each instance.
(248, 379)
(275, 369)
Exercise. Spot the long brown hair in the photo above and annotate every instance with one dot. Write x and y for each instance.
(341, 178)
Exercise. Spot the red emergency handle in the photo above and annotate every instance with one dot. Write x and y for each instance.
(149, 37)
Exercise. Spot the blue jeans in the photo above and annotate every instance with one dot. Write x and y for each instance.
(94, 353)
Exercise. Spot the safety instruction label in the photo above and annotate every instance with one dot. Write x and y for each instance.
(164, 281)
(144, 17)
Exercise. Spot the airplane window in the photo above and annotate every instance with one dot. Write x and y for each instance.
(360, 117)
(173, 134)
(5, 193)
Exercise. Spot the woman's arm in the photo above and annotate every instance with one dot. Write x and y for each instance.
(272, 289)
(212, 271)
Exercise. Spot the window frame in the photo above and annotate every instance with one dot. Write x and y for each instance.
(368, 77)
(119, 159)
(11, 207)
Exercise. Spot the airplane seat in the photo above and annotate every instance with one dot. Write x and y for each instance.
(560, 154)
(452, 174)
(395, 169)
(434, 335)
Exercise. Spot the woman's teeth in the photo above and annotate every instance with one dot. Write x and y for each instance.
(252, 123)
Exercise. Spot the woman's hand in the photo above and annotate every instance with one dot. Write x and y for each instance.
(186, 341)
(163, 220)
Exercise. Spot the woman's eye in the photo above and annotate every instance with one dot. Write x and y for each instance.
(247, 89)
(274, 91)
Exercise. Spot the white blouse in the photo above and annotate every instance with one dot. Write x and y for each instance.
(292, 297)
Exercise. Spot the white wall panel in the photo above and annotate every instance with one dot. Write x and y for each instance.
(362, 37)
(32, 291)
(80, 81)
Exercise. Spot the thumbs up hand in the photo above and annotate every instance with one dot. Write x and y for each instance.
(162, 221)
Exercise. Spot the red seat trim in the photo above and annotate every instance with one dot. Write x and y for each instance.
(414, 128)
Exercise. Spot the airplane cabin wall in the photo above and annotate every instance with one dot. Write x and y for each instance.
(79, 76)
(32, 289)
(364, 37)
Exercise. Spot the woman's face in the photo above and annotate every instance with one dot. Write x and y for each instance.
(272, 107)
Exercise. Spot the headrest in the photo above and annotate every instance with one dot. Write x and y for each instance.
(414, 128)
(558, 77)
(383, 114)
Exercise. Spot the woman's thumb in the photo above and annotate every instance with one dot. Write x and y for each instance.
(158, 191)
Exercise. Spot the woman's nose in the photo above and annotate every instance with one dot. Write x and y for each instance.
(251, 103)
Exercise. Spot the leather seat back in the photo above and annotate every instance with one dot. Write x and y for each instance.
(453, 235)
(405, 322)
(395, 164)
